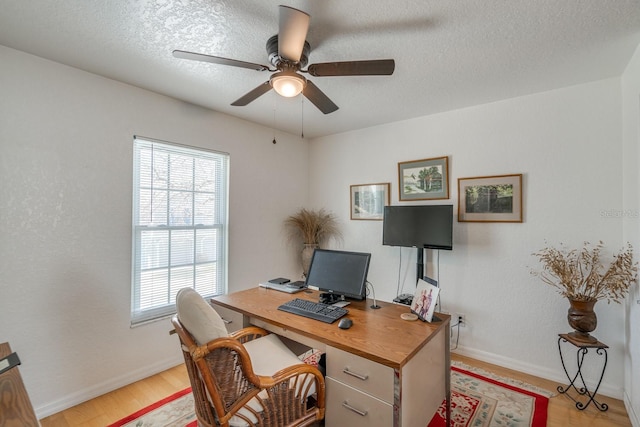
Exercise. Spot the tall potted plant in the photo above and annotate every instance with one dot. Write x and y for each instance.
(580, 276)
(312, 228)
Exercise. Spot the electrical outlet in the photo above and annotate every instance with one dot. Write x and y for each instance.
(462, 319)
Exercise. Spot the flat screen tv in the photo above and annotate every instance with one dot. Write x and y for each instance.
(339, 272)
(423, 226)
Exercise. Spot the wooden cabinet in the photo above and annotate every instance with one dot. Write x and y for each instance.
(15, 405)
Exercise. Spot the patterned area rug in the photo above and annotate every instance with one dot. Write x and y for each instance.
(482, 399)
(176, 410)
(478, 399)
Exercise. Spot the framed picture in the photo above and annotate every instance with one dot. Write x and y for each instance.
(424, 300)
(368, 201)
(426, 179)
(490, 199)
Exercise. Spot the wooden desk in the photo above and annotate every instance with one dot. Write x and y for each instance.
(383, 371)
(15, 405)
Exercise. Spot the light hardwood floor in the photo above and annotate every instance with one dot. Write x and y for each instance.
(113, 406)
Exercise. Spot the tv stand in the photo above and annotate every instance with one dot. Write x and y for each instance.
(420, 264)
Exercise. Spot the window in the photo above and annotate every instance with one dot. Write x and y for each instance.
(179, 225)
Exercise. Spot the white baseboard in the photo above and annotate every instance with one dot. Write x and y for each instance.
(635, 421)
(558, 376)
(70, 400)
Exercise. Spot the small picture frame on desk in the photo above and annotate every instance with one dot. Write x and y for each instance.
(424, 300)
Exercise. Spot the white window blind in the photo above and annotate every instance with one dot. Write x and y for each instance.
(179, 225)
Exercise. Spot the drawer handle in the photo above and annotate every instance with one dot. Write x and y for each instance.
(353, 374)
(356, 410)
(228, 322)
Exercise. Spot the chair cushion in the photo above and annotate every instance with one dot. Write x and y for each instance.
(269, 355)
(198, 317)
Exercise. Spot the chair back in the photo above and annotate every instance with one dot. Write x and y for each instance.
(204, 409)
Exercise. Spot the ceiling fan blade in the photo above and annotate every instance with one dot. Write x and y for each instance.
(318, 98)
(376, 67)
(252, 95)
(294, 25)
(218, 60)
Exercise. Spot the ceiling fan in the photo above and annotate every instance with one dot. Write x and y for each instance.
(288, 52)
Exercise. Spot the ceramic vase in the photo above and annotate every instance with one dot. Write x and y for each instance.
(582, 319)
(307, 254)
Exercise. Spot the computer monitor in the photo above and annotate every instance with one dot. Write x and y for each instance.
(339, 273)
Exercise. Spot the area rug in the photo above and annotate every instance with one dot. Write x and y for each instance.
(478, 399)
(482, 399)
(176, 410)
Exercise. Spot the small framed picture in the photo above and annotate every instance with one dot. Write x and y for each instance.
(426, 179)
(424, 300)
(368, 201)
(490, 199)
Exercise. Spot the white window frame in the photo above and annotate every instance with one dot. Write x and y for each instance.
(158, 273)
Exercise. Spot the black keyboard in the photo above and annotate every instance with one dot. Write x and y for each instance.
(313, 310)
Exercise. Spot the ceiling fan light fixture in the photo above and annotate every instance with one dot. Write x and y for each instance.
(288, 84)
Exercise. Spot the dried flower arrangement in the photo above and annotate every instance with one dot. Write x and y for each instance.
(580, 275)
(313, 227)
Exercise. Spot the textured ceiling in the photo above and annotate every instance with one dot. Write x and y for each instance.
(449, 53)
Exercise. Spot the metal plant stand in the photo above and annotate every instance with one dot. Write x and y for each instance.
(582, 351)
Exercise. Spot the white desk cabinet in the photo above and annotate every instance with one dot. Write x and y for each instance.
(361, 392)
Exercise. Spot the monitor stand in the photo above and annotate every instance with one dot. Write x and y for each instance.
(330, 298)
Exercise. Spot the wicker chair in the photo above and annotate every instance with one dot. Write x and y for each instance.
(228, 393)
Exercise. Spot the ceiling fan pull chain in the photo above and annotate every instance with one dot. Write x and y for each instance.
(274, 122)
(302, 117)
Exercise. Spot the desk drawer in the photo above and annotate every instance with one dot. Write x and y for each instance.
(363, 374)
(347, 406)
(283, 332)
(232, 319)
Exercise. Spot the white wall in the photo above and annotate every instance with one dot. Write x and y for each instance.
(567, 143)
(65, 221)
(631, 229)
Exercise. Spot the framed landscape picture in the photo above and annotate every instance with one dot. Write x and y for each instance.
(426, 179)
(490, 199)
(368, 201)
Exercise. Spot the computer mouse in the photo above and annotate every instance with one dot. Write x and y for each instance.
(345, 323)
